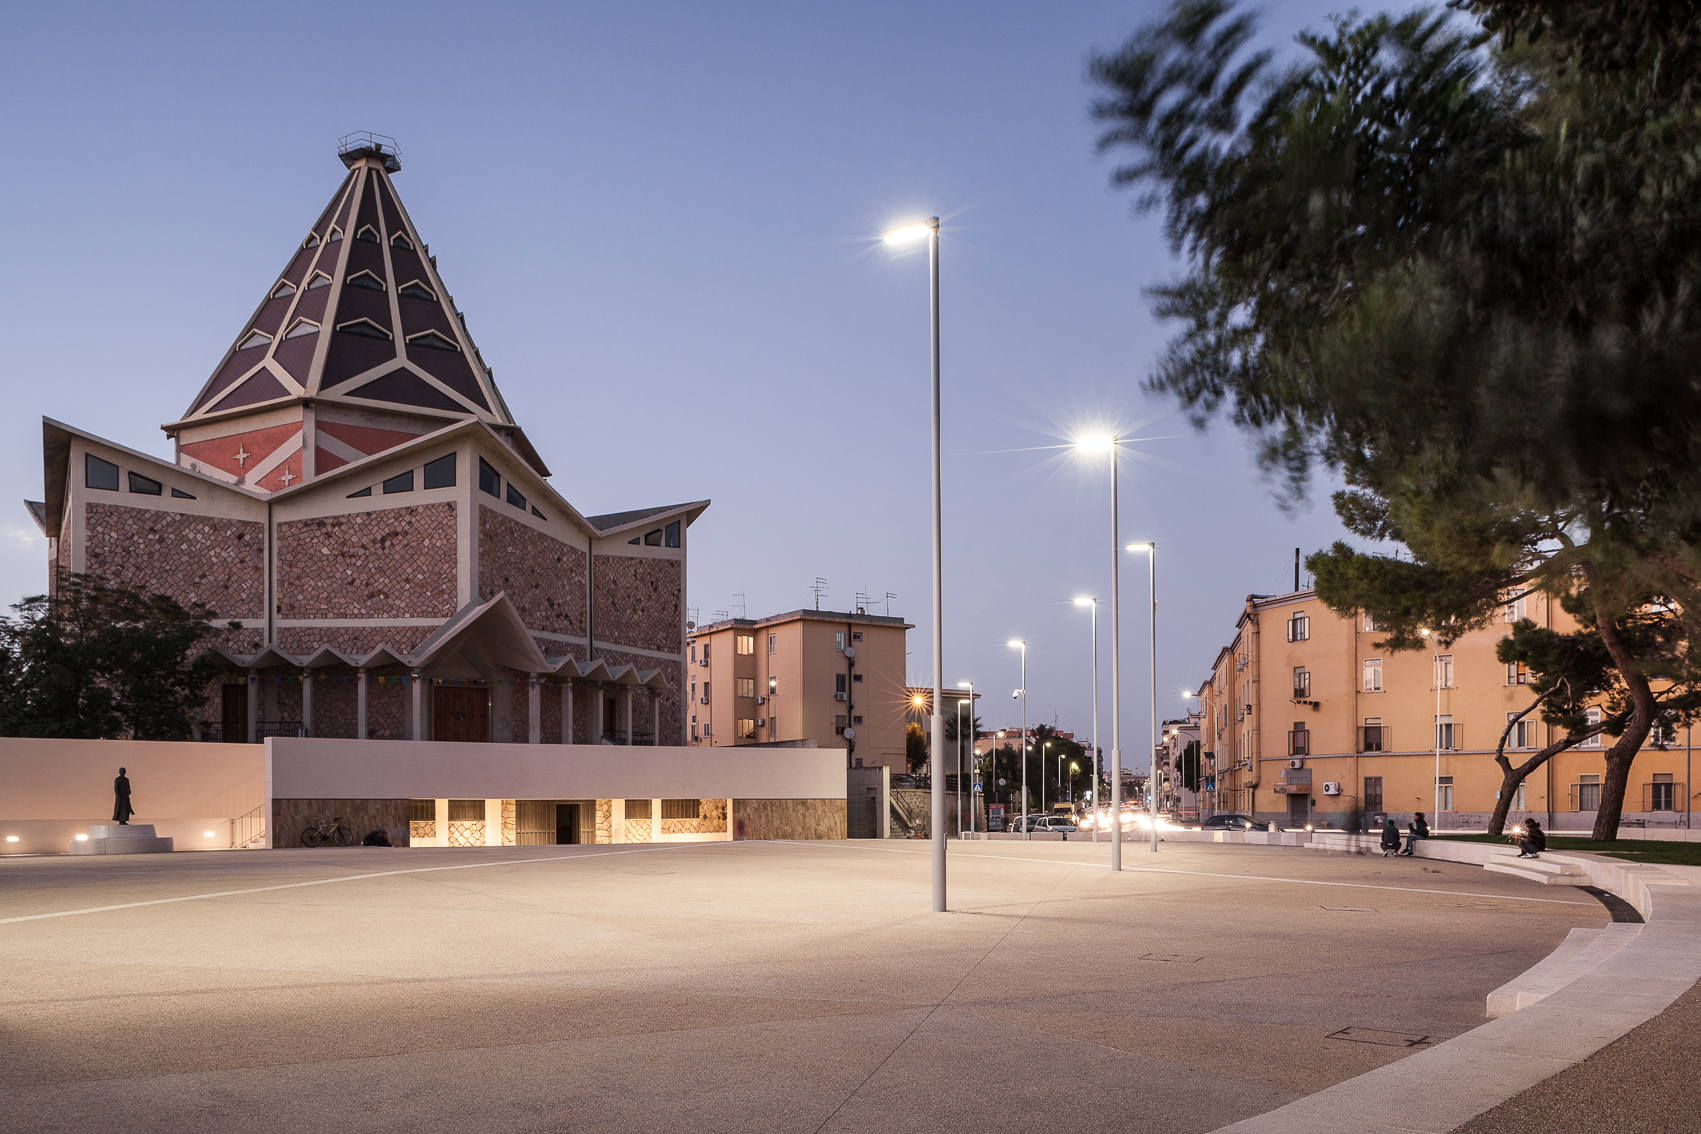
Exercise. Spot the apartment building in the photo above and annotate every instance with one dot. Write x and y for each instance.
(832, 677)
(1305, 719)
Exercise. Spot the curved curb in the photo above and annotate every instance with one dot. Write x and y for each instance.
(1440, 1089)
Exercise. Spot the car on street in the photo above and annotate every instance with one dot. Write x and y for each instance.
(1233, 823)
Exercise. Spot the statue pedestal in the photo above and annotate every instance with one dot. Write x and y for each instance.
(115, 838)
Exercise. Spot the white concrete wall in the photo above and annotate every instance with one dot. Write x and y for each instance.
(52, 790)
(325, 768)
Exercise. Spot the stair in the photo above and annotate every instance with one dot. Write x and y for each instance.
(1582, 951)
(1549, 872)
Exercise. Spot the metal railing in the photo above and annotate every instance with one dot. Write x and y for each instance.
(248, 830)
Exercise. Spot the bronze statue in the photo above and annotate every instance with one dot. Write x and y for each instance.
(121, 809)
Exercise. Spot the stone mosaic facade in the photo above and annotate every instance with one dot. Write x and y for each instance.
(605, 821)
(637, 830)
(711, 820)
(510, 826)
(637, 602)
(788, 819)
(543, 577)
(551, 708)
(194, 559)
(290, 817)
(353, 640)
(388, 563)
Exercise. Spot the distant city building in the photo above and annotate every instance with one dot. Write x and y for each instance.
(831, 677)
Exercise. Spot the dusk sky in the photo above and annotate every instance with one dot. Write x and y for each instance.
(662, 223)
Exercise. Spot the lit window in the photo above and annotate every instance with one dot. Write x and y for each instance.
(413, 289)
(366, 280)
(99, 474)
(145, 485)
(283, 290)
(433, 341)
(744, 643)
(255, 340)
(400, 483)
(746, 728)
(488, 480)
(441, 472)
(302, 329)
(515, 498)
(745, 687)
(365, 328)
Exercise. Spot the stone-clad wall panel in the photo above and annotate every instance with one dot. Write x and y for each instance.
(638, 602)
(788, 819)
(672, 698)
(194, 559)
(290, 817)
(356, 641)
(544, 578)
(388, 563)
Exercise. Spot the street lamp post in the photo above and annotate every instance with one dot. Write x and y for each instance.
(1095, 444)
(1018, 643)
(1045, 754)
(1151, 549)
(1093, 764)
(970, 686)
(930, 229)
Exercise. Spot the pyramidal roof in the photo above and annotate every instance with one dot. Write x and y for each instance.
(358, 315)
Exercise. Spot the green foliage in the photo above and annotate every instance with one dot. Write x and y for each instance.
(973, 732)
(915, 748)
(1459, 270)
(103, 661)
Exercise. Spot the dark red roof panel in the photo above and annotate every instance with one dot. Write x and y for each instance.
(297, 269)
(322, 225)
(361, 303)
(296, 355)
(408, 389)
(262, 387)
(392, 215)
(353, 354)
(271, 314)
(450, 368)
(312, 305)
(364, 257)
(342, 213)
(238, 364)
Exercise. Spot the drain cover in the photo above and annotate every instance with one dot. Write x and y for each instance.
(1385, 1039)
(1178, 958)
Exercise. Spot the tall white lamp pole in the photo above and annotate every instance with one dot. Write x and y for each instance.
(1151, 549)
(1098, 804)
(930, 229)
(1023, 694)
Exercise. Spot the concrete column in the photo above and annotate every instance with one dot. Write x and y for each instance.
(655, 820)
(360, 708)
(534, 710)
(253, 706)
(628, 708)
(616, 818)
(493, 822)
(596, 717)
(416, 687)
(307, 702)
(567, 714)
(442, 824)
(655, 717)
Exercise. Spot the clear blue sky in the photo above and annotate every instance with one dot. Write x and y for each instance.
(660, 221)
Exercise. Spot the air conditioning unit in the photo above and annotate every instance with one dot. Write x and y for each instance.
(761, 700)
(839, 696)
(1239, 715)
(703, 661)
(1331, 788)
(761, 722)
(702, 700)
(1296, 762)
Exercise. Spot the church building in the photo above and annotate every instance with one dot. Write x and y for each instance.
(351, 491)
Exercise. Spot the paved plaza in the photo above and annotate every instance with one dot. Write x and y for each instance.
(771, 986)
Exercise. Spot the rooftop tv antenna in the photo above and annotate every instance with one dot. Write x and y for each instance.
(889, 597)
(820, 588)
(742, 608)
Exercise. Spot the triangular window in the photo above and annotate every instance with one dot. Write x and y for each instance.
(256, 339)
(433, 340)
(302, 329)
(400, 240)
(318, 280)
(336, 235)
(413, 289)
(366, 280)
(367, 233)
(312, 240)
(365, 328)
(283, 290)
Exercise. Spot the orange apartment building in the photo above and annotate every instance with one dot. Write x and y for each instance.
(1304, 719)
(831, 677)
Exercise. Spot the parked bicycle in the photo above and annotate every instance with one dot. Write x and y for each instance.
(329, 829)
